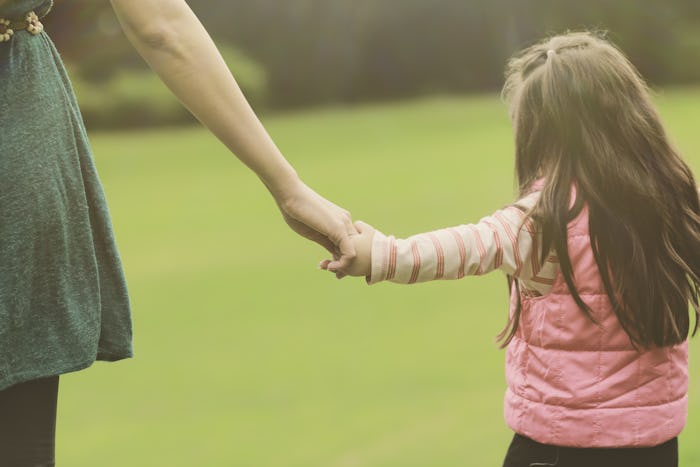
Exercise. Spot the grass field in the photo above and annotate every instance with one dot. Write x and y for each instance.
(247, 355)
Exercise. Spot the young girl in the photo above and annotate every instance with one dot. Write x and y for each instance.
(602, 254)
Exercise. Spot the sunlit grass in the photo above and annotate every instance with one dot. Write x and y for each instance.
(247, 355)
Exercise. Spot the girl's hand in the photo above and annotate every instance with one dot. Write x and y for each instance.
(361, 265)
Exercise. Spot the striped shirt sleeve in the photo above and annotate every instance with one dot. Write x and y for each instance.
(495, 242)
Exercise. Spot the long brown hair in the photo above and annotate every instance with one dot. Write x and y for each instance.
(583, 115)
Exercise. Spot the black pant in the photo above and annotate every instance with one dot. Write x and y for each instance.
(28, 423)
(525, 452)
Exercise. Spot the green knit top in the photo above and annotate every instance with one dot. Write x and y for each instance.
(63, 295)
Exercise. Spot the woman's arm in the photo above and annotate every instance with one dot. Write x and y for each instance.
(174, 43)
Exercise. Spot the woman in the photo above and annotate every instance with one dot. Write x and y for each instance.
(63, 296)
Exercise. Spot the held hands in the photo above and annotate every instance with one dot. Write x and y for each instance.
(177, 48)
(314, 217)
(361, 264)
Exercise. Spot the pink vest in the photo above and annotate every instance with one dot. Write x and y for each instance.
(572, 383)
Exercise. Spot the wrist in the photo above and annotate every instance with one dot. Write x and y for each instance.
(285, 186)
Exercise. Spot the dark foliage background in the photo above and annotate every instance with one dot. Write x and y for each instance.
(328, 51)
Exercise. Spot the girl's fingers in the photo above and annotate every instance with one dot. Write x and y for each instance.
(347, 255)
(340, 234)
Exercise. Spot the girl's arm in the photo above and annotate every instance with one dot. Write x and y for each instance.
(495, 242)
(174, 43)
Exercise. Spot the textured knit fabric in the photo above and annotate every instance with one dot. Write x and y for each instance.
(499, 241)
(63, 295)
(573, 383)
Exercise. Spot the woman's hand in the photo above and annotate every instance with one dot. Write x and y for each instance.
(314, 217)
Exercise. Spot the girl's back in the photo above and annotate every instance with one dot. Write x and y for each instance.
(572, 382)
(602, 259)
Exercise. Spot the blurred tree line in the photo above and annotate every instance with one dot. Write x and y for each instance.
(288, 53)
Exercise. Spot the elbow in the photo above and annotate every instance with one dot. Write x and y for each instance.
(139, 29)
(162, 40)
(159, 37)
(155, 34)
(157, 25)
(167, 32)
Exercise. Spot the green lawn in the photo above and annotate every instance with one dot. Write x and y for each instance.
(247, 355)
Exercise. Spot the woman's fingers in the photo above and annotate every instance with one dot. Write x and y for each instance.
(361, 226)
(340, 275)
